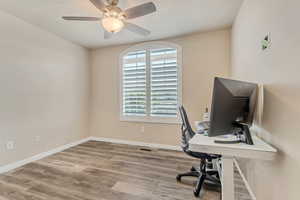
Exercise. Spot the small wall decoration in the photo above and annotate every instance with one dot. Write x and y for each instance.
(266, 42)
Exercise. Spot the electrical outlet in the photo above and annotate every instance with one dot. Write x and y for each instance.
(10, 145)
(143, 129)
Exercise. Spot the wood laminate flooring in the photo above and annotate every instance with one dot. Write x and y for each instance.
(106, 171)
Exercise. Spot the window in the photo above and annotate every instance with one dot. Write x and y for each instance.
(151, 83)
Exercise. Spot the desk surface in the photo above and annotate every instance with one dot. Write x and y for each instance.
(260, 149)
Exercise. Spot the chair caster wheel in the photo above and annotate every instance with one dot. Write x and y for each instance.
(196, 194)
(178, 178)
(193, 169)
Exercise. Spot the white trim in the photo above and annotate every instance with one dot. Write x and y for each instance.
(20, 163)
(245, 180)
(146, 46)
(136, 143)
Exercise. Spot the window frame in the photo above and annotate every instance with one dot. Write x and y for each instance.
(150, 119)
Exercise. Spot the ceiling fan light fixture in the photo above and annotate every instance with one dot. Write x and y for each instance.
(112, 24)
(114, 19)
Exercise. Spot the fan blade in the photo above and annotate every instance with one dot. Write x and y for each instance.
(81, 18)
(140, 10)
(137, 29)
(98, 4)
(107, 35)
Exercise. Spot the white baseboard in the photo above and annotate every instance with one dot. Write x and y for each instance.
(20, 163)
(151, 145)
(253, 197)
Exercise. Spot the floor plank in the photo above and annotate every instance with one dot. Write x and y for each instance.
(106, 171)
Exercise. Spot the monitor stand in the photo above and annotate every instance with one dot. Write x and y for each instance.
(244, 136)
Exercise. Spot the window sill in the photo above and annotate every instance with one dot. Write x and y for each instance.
(153, 120)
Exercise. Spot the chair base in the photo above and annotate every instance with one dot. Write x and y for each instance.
(191, 173)
(211, 176)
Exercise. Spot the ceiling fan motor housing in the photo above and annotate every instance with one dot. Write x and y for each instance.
(113, 2)
(115, 12)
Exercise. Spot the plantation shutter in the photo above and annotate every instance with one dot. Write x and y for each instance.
(134, 84)
(164, 82)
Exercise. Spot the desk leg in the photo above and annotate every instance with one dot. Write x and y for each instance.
(227, 178)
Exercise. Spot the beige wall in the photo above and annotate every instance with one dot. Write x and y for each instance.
(205, 55)
(277, 68)
(44, 85)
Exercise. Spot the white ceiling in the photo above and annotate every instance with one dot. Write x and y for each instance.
(173, 18)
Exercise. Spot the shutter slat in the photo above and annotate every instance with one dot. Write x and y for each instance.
(135, 87)
(164, 114)
(135, 106)
(161, 80)
(135, 75)
(135, 70)
(162, 101)
(161, 73)
(165, 86)
(136, 101)
(134, 96)
(165, 95)
(134, 82)
(165, 77)
(164, 64)
(162, 69)
(163, 109)
(127, 79)
(154, 90)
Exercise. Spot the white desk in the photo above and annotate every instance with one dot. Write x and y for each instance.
(205, 144)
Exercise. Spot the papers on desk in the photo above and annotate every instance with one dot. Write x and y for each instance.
(227, 138)
(202, 127)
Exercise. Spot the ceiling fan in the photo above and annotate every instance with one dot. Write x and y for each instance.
(115, 19)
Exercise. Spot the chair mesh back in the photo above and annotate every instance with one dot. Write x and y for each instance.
(186, 129)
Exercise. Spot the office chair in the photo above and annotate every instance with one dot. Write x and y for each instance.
(205, 171)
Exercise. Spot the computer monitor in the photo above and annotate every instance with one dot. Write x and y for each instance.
(232, 110)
